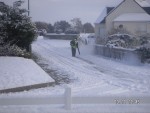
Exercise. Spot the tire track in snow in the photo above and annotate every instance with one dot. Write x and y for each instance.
(64, 61)
(71, 62)
(123, 79)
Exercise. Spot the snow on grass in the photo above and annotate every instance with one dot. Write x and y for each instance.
(18, 72)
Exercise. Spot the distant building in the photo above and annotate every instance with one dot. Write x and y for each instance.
(132, 15)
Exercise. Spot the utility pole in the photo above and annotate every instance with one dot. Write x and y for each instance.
(28, 7)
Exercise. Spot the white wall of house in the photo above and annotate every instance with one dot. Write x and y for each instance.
(97, 29)
(100, 30)
(148, 27)
(128, 6)
(134, 27)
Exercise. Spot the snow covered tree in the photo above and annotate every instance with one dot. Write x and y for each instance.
(41, 25)
(77, 24)
(61, 26)
(71, 30)
(88, 28)
(50, 28)
(16, 26)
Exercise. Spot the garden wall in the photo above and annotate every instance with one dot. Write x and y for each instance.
(61, 36)
(129, 55)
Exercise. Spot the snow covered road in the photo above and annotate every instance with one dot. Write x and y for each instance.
(93, 75)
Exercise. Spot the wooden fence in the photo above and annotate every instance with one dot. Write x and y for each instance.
(68, 100)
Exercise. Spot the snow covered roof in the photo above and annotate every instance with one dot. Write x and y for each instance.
(103, 14)
(143, 3)
(147, 9)
(133, 17)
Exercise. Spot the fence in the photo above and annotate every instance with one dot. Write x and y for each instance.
(118, 53)
(61, 36)
(68, 100)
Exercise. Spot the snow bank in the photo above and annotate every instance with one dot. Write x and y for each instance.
(18, 72)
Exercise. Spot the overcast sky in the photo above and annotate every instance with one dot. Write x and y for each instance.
(55, 10)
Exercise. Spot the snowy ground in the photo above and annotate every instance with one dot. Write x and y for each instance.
(92, 75)
(19, 72)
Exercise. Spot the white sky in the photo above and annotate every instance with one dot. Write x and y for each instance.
(55, 10)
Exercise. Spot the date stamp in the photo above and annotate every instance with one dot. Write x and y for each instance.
(127, 101)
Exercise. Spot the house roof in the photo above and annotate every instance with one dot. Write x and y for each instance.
(133, 17)
(101, 18)
(111, 9)
(147, 9)
(143, 3)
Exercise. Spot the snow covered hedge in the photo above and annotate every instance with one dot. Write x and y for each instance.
(16, 26)
(122, 40)
(141, 43)
(145, 54)
(6, 49)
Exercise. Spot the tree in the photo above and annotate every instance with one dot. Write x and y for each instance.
(16, 26)
(88, 28)
(77, 24)
(61, 26)
(50, 28)
(41, 25)
(71, 31)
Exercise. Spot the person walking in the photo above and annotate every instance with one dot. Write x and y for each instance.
(74, 46)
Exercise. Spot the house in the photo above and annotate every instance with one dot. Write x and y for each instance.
(132, 15)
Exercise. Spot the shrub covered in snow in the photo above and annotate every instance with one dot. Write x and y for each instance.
(128, 41)
(144, 52)
(6, 49)
(144, 39)
(122, 40)
(16, 26)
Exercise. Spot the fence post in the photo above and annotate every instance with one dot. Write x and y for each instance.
(68, 99)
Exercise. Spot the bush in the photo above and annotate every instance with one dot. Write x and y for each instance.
(6, 49)
(144, 52)
(16, 26)
(71, 31)
(122, 40)
(144, 39)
